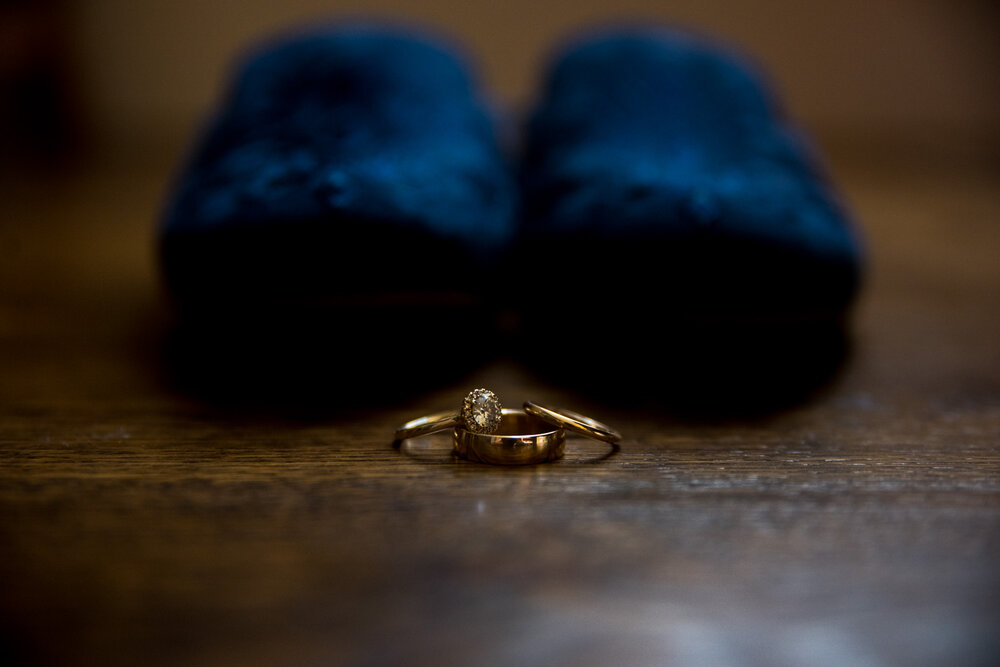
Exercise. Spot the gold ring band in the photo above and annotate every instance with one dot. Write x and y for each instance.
(573, 421)
(481, 412)
(521, 439)
(441, 421)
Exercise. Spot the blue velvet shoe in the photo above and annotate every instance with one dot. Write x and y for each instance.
(348, 165)
(678, 215)
(339, 219)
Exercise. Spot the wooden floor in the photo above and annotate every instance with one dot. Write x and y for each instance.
(145, 523)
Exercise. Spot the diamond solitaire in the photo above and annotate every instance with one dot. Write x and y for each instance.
(481, 411)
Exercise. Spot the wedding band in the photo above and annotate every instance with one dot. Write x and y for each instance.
(572, 421)
(520, 439)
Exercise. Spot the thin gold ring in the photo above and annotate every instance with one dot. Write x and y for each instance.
(574, 421)
(441, 421)
(520, 439)
(481, 411)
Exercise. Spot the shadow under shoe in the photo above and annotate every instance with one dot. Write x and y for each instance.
(693, 368)
(320, 363)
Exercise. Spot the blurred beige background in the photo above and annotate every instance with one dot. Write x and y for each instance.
(920, 70)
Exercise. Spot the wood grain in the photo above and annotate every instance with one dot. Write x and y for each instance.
(143, 523)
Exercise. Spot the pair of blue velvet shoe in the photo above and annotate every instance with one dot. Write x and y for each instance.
(659, 201)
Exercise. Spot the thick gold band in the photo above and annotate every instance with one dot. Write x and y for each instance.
(521, 439)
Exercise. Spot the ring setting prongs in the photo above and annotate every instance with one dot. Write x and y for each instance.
(481, 411)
